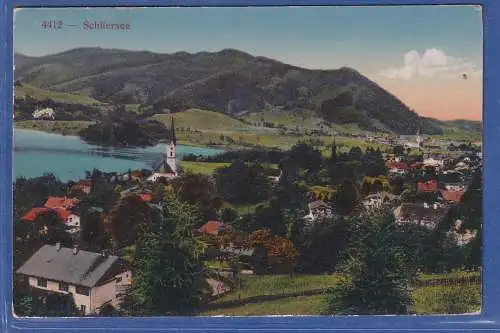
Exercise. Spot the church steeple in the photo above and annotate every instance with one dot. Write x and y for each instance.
(173, 139)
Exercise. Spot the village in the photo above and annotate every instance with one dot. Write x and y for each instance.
(81, 243)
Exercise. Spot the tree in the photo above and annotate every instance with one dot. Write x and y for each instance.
(348, 198)
(167, 272)
(323, 245)
(93, 236)
(268, 215)
(198, 189)
(305, 156)
(130, 218)
(241, 183)
(380, 270)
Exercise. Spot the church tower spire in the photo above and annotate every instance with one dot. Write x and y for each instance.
(173, 139)
(171, 147)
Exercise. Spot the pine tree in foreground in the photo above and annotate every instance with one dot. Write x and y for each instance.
(168, 274)
(379, 271)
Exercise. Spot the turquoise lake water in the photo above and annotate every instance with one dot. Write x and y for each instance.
(68, 157)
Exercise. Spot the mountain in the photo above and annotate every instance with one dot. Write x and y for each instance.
(228, 81)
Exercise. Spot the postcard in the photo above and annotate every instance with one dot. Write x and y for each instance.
(247, 161)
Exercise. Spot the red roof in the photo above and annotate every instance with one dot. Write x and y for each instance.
(35, 212)
(61, 202)
(454, 196)
(428, 186)
(417, 165)
(146, 197)
(211, 227)
(396, 165)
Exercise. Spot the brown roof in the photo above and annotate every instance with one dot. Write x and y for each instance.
(317, 204)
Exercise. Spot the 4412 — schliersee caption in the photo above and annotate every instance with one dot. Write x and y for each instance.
(85, 25)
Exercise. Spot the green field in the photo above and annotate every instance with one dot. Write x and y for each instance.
(305, 295)
(41, 94)
(56, 126)
(206, 168)
(196, 119)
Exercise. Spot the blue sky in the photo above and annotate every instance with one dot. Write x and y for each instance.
(373, 40)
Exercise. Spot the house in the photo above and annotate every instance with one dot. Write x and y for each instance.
(317, 210)
(377, 199)
(136, 175)
(61, 202)
(453, 196)
(84, 185)
(46, 113)
(169, 166)
(146, 197)
(93, 279)
(434, 162)
(212, 227)
(399, 168)
(427, 216)
(462, 236)
(70, 219)
(427, 186)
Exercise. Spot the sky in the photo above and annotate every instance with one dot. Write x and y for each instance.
(430, 57)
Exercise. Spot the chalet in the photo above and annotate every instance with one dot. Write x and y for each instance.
(427, 216)
(93, 279)
(84, 185)
(318, 210)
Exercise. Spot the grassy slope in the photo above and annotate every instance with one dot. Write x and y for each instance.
(41, 94)
(427, 299)
(201, 119)
(57, 126)
(206, 168)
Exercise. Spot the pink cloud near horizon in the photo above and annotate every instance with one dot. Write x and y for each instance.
(437, 85)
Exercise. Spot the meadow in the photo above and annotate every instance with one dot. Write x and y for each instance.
(306, 295)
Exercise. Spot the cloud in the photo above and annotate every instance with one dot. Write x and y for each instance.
(429, 63)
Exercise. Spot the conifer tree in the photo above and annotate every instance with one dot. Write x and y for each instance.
(379, 272)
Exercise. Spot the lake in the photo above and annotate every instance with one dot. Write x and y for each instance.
(68, 157)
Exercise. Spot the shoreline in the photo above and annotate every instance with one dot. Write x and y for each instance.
(162, 142)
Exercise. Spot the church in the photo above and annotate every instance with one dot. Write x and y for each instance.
(168, 168)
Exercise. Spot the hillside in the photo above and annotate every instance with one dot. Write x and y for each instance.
(25, 90)
(228, 81)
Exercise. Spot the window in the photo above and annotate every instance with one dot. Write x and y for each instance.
(82, 290)
(63, 286)
(41, 283)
